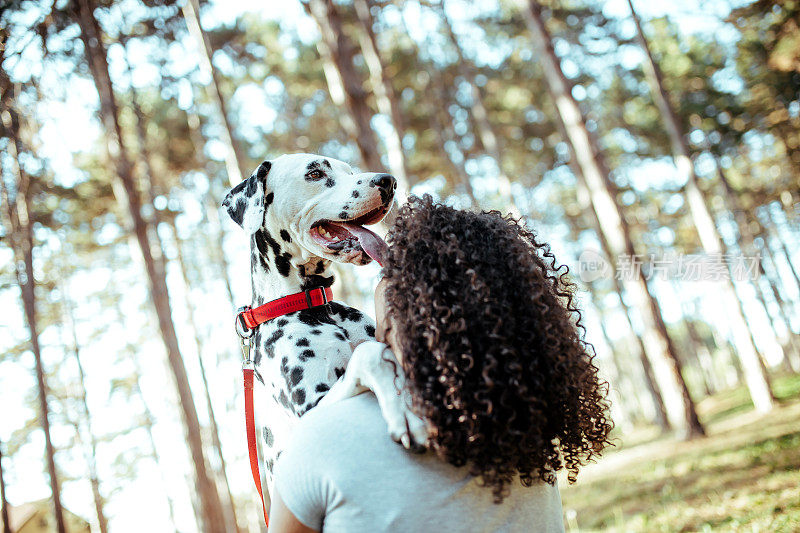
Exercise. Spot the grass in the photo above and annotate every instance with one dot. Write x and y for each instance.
(745, 476)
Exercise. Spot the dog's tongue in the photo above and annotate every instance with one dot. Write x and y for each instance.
(373, 245)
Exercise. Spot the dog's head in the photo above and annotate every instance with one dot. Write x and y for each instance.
(318, 203)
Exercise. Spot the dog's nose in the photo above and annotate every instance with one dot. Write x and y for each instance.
(385, 182)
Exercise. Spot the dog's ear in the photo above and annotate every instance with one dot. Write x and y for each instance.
(245, 202)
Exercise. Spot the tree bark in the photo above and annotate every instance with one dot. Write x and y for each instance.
(234, 163)
(21, 238)
(344, 81)
(3, 501)
(659, 409)
(91, 35)
(222, 471)
(771, 229)
(658, 344)
(384, 93)
(90, 451)
(755, 372)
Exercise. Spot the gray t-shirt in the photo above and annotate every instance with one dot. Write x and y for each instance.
(342, 472)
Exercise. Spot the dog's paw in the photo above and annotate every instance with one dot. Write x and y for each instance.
(379, 370)
(409, 430)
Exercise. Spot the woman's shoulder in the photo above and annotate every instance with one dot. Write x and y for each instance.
(341, 427)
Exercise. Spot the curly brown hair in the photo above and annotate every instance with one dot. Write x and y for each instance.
(491, 344)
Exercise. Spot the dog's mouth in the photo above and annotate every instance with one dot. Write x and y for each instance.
(346, 237)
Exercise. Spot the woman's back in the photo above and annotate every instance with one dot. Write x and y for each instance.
(342, 468)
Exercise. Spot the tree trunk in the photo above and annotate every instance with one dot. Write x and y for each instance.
(584, 200)
(21, 238)
(659, 346)
(90, 451)
(151, 186)
(212, 512)
(3, 501)
(772, 229)
(222, 471)
(480, 115)
(755, 372)
(344, 81)
(234, 163)
(746, 242)
(385, 95)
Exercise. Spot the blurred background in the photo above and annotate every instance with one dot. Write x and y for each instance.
(658, 151)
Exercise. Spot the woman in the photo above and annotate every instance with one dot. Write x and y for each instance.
(485, 329)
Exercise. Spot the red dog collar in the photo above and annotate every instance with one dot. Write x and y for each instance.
(248, 318)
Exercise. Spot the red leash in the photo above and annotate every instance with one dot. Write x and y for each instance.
(247, 320)
(250, 428)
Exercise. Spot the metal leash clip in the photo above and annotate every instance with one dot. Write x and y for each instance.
(244, 334)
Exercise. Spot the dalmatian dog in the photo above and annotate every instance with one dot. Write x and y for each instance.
(302, 213)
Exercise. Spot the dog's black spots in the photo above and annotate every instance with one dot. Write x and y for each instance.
(327, 163)
(302, 271)
(313, 281)
(370, 329)
(270, 464)
(252, 186)
(314, 165)
(302, 342)
(283, 265)
(269, 438)
(263, 262)
(339, 372)
(257, 342)
(329, 182)
(263, 169)
(283, 399)
(285, 236)
(268, 200)
(339, 335)
(322, 387)
(236, 211)
(315, 403)
(347, 313)
(285, 367)
(316, 316)
(260, 238)
(282, 259)
(272, 243)
(237, 189)
(277, 334)
(315, 332)
(258, 377)
(281, 322)
(355, 194)
(320, 268)
(343, 215)
(296, 376)
(305, 355)
(299, 396)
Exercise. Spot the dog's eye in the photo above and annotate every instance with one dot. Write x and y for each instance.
(315, 175)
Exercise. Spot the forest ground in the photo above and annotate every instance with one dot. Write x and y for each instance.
(745, 476)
